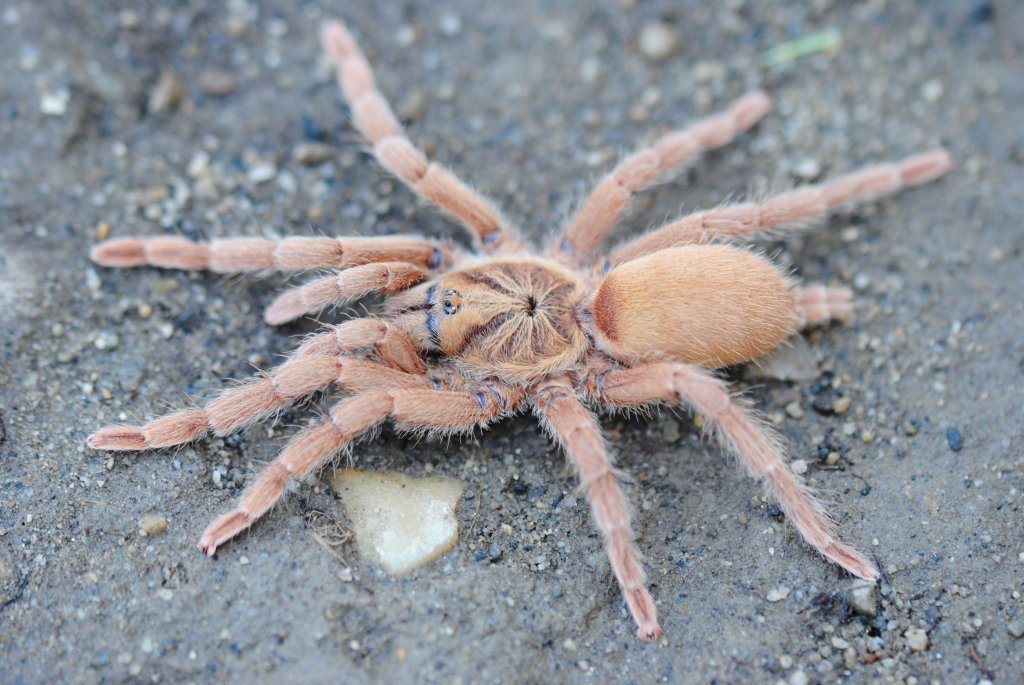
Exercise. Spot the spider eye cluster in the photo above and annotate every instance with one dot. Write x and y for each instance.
(452, 301)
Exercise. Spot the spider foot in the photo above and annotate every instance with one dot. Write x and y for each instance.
(223, 529)
(851, 560)
(118, 438)
(641, 606)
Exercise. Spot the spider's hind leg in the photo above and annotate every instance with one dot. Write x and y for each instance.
(817, 305)
(741, 434)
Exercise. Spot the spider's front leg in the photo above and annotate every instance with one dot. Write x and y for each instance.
(325, 358)
(240, 255)
(577, 431)
(444, 411)
(741, 434)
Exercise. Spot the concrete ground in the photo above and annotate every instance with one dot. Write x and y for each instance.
(909, 419)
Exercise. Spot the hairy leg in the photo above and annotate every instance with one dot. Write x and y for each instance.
(611, 197)
(373, 117)
(324, 359)
(383, 278)
(795, 207)
(576, 430)
(413, 408)
(818, 305)
(740, 434)
(235, 255)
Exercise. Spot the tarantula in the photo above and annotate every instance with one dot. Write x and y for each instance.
(468, 338)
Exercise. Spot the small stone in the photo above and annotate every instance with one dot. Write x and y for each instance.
(791, 362)
(450, 25)
(670, 431)
(151, 524)
(55, 104)
(217, 83)
(167, 94)
(786, 661)
(931, 91)
(412, 106)
(1016, 628)
(840, 643)
(910, 428)
(311, 154)
(799, 467)
(807, 169)
(861, 598)
(832, 458)
(658, 40)
(406, 36)
(917, 639)
(778, 594)
(954, 439)
(794, 410)
(842, 405)
(798, 678)
(106, 341)
(261, 173)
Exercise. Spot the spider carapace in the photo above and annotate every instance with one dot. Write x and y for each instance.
(468, 338)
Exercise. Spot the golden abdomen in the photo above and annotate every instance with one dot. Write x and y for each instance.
(711, 305)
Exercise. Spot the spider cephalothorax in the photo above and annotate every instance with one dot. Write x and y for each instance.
(465, 339)
(518, 318)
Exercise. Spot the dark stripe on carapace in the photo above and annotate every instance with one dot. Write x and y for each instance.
(478, 278)
(481, 330)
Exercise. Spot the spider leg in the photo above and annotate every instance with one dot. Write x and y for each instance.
(236, 255)
(324, 359)
(383, 278)
(410, 407)
(740, 434)
(577, 431)
(795, 207)
(818, 305)
(373, 117)
(611, 197)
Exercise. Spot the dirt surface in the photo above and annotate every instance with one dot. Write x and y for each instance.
(923, 468)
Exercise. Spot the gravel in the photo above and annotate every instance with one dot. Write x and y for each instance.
(529, 106)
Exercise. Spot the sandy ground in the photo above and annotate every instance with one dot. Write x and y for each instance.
(531, 106)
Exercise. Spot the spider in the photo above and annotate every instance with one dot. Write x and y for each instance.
(468, 337)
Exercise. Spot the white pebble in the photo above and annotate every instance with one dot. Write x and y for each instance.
(931, 91)
(778, 594)
(262, 172)
(451, 24)
(658, 40)
(55, 104)
(917, 639)
(799, 467)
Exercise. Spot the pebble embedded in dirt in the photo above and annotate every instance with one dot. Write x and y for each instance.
(151, 524)
(312, 153)
(861, 598)
(955, 440)
(167, 94)
(400, 522)
(778, 594)
(917, 639)
(217, 83)
(658, 40)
